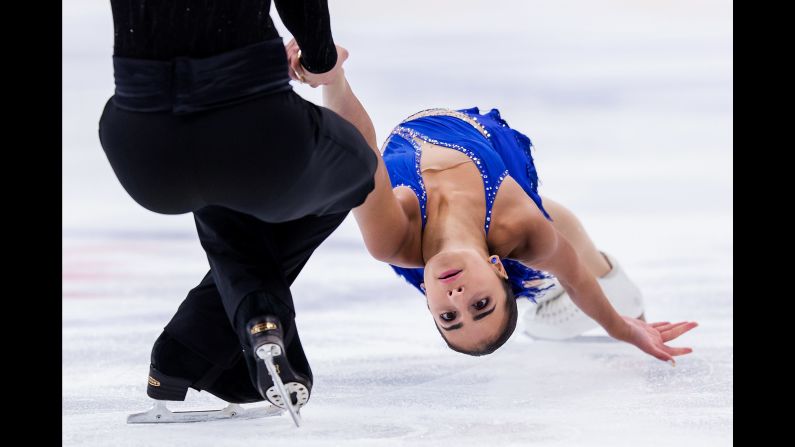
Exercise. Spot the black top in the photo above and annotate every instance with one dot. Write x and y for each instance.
(164, 29)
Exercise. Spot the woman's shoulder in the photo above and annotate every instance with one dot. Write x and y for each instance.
(410, 253)
(513, 217)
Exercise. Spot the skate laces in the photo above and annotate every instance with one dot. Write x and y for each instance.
(556, 307)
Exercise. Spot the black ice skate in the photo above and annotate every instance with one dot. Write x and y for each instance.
(280, 382)
(190, 371)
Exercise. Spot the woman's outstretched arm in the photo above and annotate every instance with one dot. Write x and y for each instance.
(545, 248)
(382, 222)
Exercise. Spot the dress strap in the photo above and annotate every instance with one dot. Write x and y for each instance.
(454, 113)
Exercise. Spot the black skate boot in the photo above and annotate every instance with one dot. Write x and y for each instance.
(174, 368)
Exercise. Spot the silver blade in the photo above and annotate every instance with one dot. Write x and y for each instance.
(267, 356)
(159, 413)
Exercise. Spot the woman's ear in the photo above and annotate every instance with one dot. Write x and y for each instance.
(495, 261)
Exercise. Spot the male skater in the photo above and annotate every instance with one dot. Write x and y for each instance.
(204, 120)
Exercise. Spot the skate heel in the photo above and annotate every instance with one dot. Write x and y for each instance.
(277, 381)
(163, 387)
(298, 391)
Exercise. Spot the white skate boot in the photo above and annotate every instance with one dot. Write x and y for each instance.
(559, 318)
(550, 289)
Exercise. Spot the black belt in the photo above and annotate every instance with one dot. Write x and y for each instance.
(184, 85)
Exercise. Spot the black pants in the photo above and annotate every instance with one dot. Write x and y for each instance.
(276, 157)
(268, 178)
(273, 159)
(201, 325)
(267, 175)
(280, 250)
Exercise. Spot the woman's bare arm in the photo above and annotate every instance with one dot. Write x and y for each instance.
(547, 249)
(383, 223)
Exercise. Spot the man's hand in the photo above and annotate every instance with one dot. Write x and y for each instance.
(299, 73)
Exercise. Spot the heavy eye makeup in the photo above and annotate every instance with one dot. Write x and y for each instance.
(481, 304)
(452, 315)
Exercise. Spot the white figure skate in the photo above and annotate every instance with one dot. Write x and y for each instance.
(558, 318)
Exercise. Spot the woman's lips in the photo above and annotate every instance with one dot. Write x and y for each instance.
(449, 275)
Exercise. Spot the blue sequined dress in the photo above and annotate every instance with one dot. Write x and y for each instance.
(495, 148)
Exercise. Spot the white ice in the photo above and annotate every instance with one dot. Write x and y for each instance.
(629, 105)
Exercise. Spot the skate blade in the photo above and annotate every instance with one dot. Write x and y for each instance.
(266, 354)
(160, 414)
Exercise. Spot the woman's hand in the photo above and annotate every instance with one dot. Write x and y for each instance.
(300, 74)
(651, 337)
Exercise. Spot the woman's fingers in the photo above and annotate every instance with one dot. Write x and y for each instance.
(342, 54)
(676, 330)
(663, 331)
(296, 70)
(669, 326)
(665, 327)
(291, 70)
(676, 351)
(661, 355)
(293, 59)
(295, 65)
(294, 75)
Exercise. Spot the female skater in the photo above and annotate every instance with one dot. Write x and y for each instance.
(455, 211)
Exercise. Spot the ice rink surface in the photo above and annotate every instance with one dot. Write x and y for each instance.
(629, 105)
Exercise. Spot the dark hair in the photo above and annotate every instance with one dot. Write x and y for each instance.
(510, 326)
